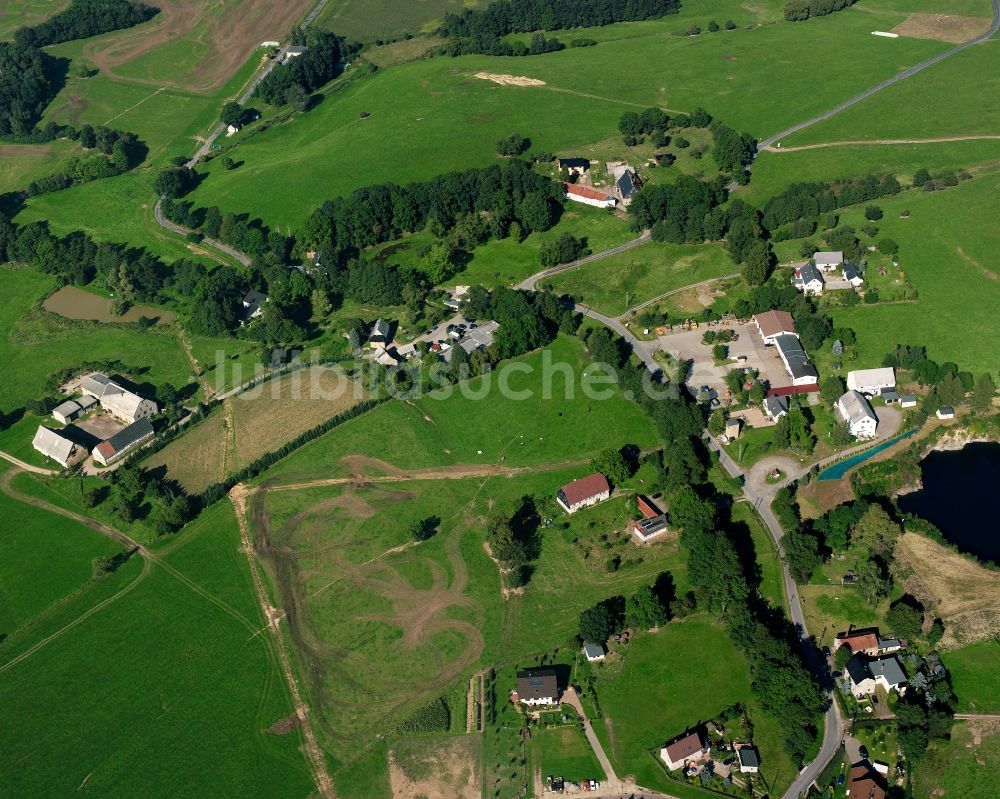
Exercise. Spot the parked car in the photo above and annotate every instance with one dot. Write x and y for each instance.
(840, 780)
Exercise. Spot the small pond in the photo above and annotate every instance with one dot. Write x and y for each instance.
(75, 303)
(960, 496)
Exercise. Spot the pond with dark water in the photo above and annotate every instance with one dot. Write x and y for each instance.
(961, 497)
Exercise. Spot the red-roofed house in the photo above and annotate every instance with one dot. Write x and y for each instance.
(584, 492)
(864, 783)
(868, 641)
(589, 196)
(690, 746)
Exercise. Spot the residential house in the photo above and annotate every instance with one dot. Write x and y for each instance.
(872, 381)
(584, 492)
(380, 334)
(863, 782)
(56, 446)
(797, 364)
(387, 356)
(589, 196)
(574, 167)
(253, 304)
(593, 652)
(859, 415)
(772, 324)
(866, 641)
(123, 441)
(537, 687)
(749, 759)
(293, 51)
(687, 747)
(851, 274)
(945, 412)
(653, 523)
(232, 130)
(627, 185)
(908, 401)
(828, 261)
(890, 397)
(775, 407)
(116, 400)
(865, 674)
(808, 279)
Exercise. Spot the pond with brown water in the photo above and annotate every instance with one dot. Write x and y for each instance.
(75, 303)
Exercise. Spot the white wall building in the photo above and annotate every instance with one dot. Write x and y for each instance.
(828, 261)
(855, 410)
(872, 381)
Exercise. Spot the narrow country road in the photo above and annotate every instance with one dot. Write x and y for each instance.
(528, 284)
(906, 73)
(659, 297)
(613, 784)
(166, 224)
(26, 466)
(878, 142)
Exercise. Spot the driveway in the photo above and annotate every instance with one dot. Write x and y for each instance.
(611, 785)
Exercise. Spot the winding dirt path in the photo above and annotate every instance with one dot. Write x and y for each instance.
(324, 784)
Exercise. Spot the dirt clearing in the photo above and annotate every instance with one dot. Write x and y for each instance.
(422, 767)
(942, 27)
(222, 37)
(955, 587)
(509, 80)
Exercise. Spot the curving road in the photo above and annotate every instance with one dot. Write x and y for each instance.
(528, 284)
(166, 224)
(906, 73)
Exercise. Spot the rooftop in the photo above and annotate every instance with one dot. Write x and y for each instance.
(795, 356)
(537, 684)
(587, 192)
(829, 257)
(855, 407)
(685, 746)
(771, 323)
(585, 488)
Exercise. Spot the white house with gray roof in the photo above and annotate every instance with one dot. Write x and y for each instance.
(872, 381)
(808, 279)
(795, 359)
(116, 400)
(827, 261)
(855, 410)
(56, 446)
(866, 674)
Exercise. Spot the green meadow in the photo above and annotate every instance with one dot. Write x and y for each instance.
(613, 285)
(775, 171)
(22, 163)
(42, 343)
(975, 675)
(47, 560)
(479, 422)
(965, 765)
(565, 751)
(367, 20)
(689, 671)
(954, 98)
(947, 250)
(450, 119)
(16, 14)
(164, 661)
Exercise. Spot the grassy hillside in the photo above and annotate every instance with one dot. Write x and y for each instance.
(164, 662)
(449, 119)
(40, 343)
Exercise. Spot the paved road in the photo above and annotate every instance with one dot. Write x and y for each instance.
(906, 73)
(528, 284)
(165, 223)
(206, 146)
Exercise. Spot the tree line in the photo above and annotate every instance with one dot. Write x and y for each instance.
(298, 77)
(799, 10)
(481, 30)
(31, 76)
(807, 200)
(118, 152)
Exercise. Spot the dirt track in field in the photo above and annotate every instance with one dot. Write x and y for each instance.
(225, 33)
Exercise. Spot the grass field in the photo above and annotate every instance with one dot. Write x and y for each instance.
(367, 20)
(47, 560)
(975, 675)
(118, 209)
(964, 766)
(449, 119)
(773, 172)
(158, 663)
(947, 251)
(22, 163)
(21, 13)
(198, 458)
(615, 284)
(950, 95)
(690, 671)
(506, 261)
(42, 343)
(565, 752)
(16, 439)
(436, 766)
(445, 431)
(771, 579)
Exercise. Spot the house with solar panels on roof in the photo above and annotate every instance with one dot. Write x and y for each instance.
(537, 687)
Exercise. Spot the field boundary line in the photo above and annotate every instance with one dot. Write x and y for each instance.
(238, 496)
(868, 142)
